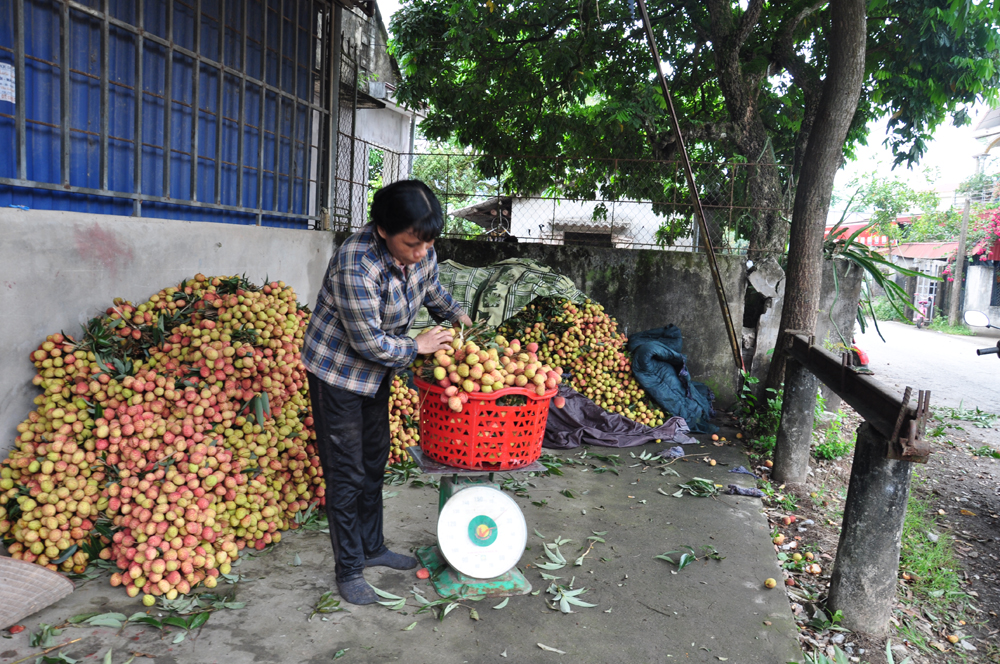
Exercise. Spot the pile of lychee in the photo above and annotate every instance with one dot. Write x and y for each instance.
(582, 339)
(404, 419)
(465, 368)
(172, 435)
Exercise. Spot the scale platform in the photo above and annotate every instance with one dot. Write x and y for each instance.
(481, 533)
(449, 582)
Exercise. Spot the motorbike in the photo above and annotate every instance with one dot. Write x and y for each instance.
(979, 319)
(920, 315)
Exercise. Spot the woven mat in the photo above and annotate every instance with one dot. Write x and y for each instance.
(26, 588)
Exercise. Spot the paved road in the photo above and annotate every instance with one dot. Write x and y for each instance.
(945, 364)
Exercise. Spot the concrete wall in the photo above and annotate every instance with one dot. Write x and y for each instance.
(59, 269)
(978, 289)
(642, 289)
(844, 313)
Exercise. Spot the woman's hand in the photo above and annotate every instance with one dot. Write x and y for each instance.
(433, 340)
(464, 320)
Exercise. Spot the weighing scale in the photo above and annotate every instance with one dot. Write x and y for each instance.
(481, 533)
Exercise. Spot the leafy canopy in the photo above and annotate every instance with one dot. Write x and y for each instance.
(575, 79)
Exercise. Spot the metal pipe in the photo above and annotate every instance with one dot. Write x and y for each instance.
(295, 109)
(354, 123)
(260, 123)
(218, 103)
(695, 199)
(277, 107)
(91, 191)
(20, 138)
(64, 92)
(105, 111)
(334, 60)
(240, 123)
(195, 102)
(168, 94)
(307, 156)
(140, 98)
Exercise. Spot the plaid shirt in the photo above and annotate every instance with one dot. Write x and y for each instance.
(364, 310)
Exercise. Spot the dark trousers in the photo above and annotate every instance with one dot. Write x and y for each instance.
(352, 437)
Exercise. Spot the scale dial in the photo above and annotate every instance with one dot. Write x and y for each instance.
(481, 532)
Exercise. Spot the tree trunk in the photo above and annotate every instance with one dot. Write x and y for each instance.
(764, 190)
(841, 90)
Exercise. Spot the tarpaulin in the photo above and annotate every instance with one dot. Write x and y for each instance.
(581, 421)
(661, 369)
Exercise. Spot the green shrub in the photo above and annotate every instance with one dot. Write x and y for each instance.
(884, 310)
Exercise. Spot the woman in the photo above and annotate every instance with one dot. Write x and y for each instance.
(356, 341)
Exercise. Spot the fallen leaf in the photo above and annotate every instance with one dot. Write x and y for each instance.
(555, 650)
(409, 627)
(502, 604)
(964, 512)
(503, 654)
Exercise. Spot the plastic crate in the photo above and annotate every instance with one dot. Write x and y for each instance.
(484, 436)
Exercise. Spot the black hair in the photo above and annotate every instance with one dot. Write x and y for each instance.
(408, 205)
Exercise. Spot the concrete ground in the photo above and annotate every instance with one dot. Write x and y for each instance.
(945, 364)
(711, 611)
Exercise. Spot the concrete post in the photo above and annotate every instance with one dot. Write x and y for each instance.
(863, 585)
(791, 453)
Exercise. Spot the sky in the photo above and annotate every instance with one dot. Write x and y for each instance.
(950, 153)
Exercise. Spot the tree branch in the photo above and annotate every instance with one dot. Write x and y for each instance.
(747, 22)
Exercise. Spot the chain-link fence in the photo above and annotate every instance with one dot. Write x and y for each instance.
(627, 204)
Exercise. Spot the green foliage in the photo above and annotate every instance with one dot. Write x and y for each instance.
(940, 324)
(574, 79)
(759, 420)
(882, 309)
(886, 198)
(927, 555)
(836, 444)
(876, 271)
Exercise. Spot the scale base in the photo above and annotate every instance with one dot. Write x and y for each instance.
(449, 582)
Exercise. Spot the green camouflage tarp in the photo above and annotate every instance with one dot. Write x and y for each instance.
(497, 292)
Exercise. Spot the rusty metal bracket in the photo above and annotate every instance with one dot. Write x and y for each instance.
(912, 445)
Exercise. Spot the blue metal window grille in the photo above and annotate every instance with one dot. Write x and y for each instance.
(202, 109)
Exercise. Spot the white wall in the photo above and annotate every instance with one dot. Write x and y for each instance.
(978, 288)
(59, 269)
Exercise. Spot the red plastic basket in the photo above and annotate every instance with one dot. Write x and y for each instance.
(484, 436)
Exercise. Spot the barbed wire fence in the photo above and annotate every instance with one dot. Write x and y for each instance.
(635, 204)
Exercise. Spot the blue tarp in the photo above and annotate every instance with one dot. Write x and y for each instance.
(661, 369)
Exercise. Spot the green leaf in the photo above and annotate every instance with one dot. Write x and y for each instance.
(385, 595)
(199, 619)
(409, 627)
(340, 653)
(81, 617)
(148, 620)
(503, 603)
(180, 636)
(473, 614)
(107, 657)
(114, 620)
(176, 621)
(550, 566)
